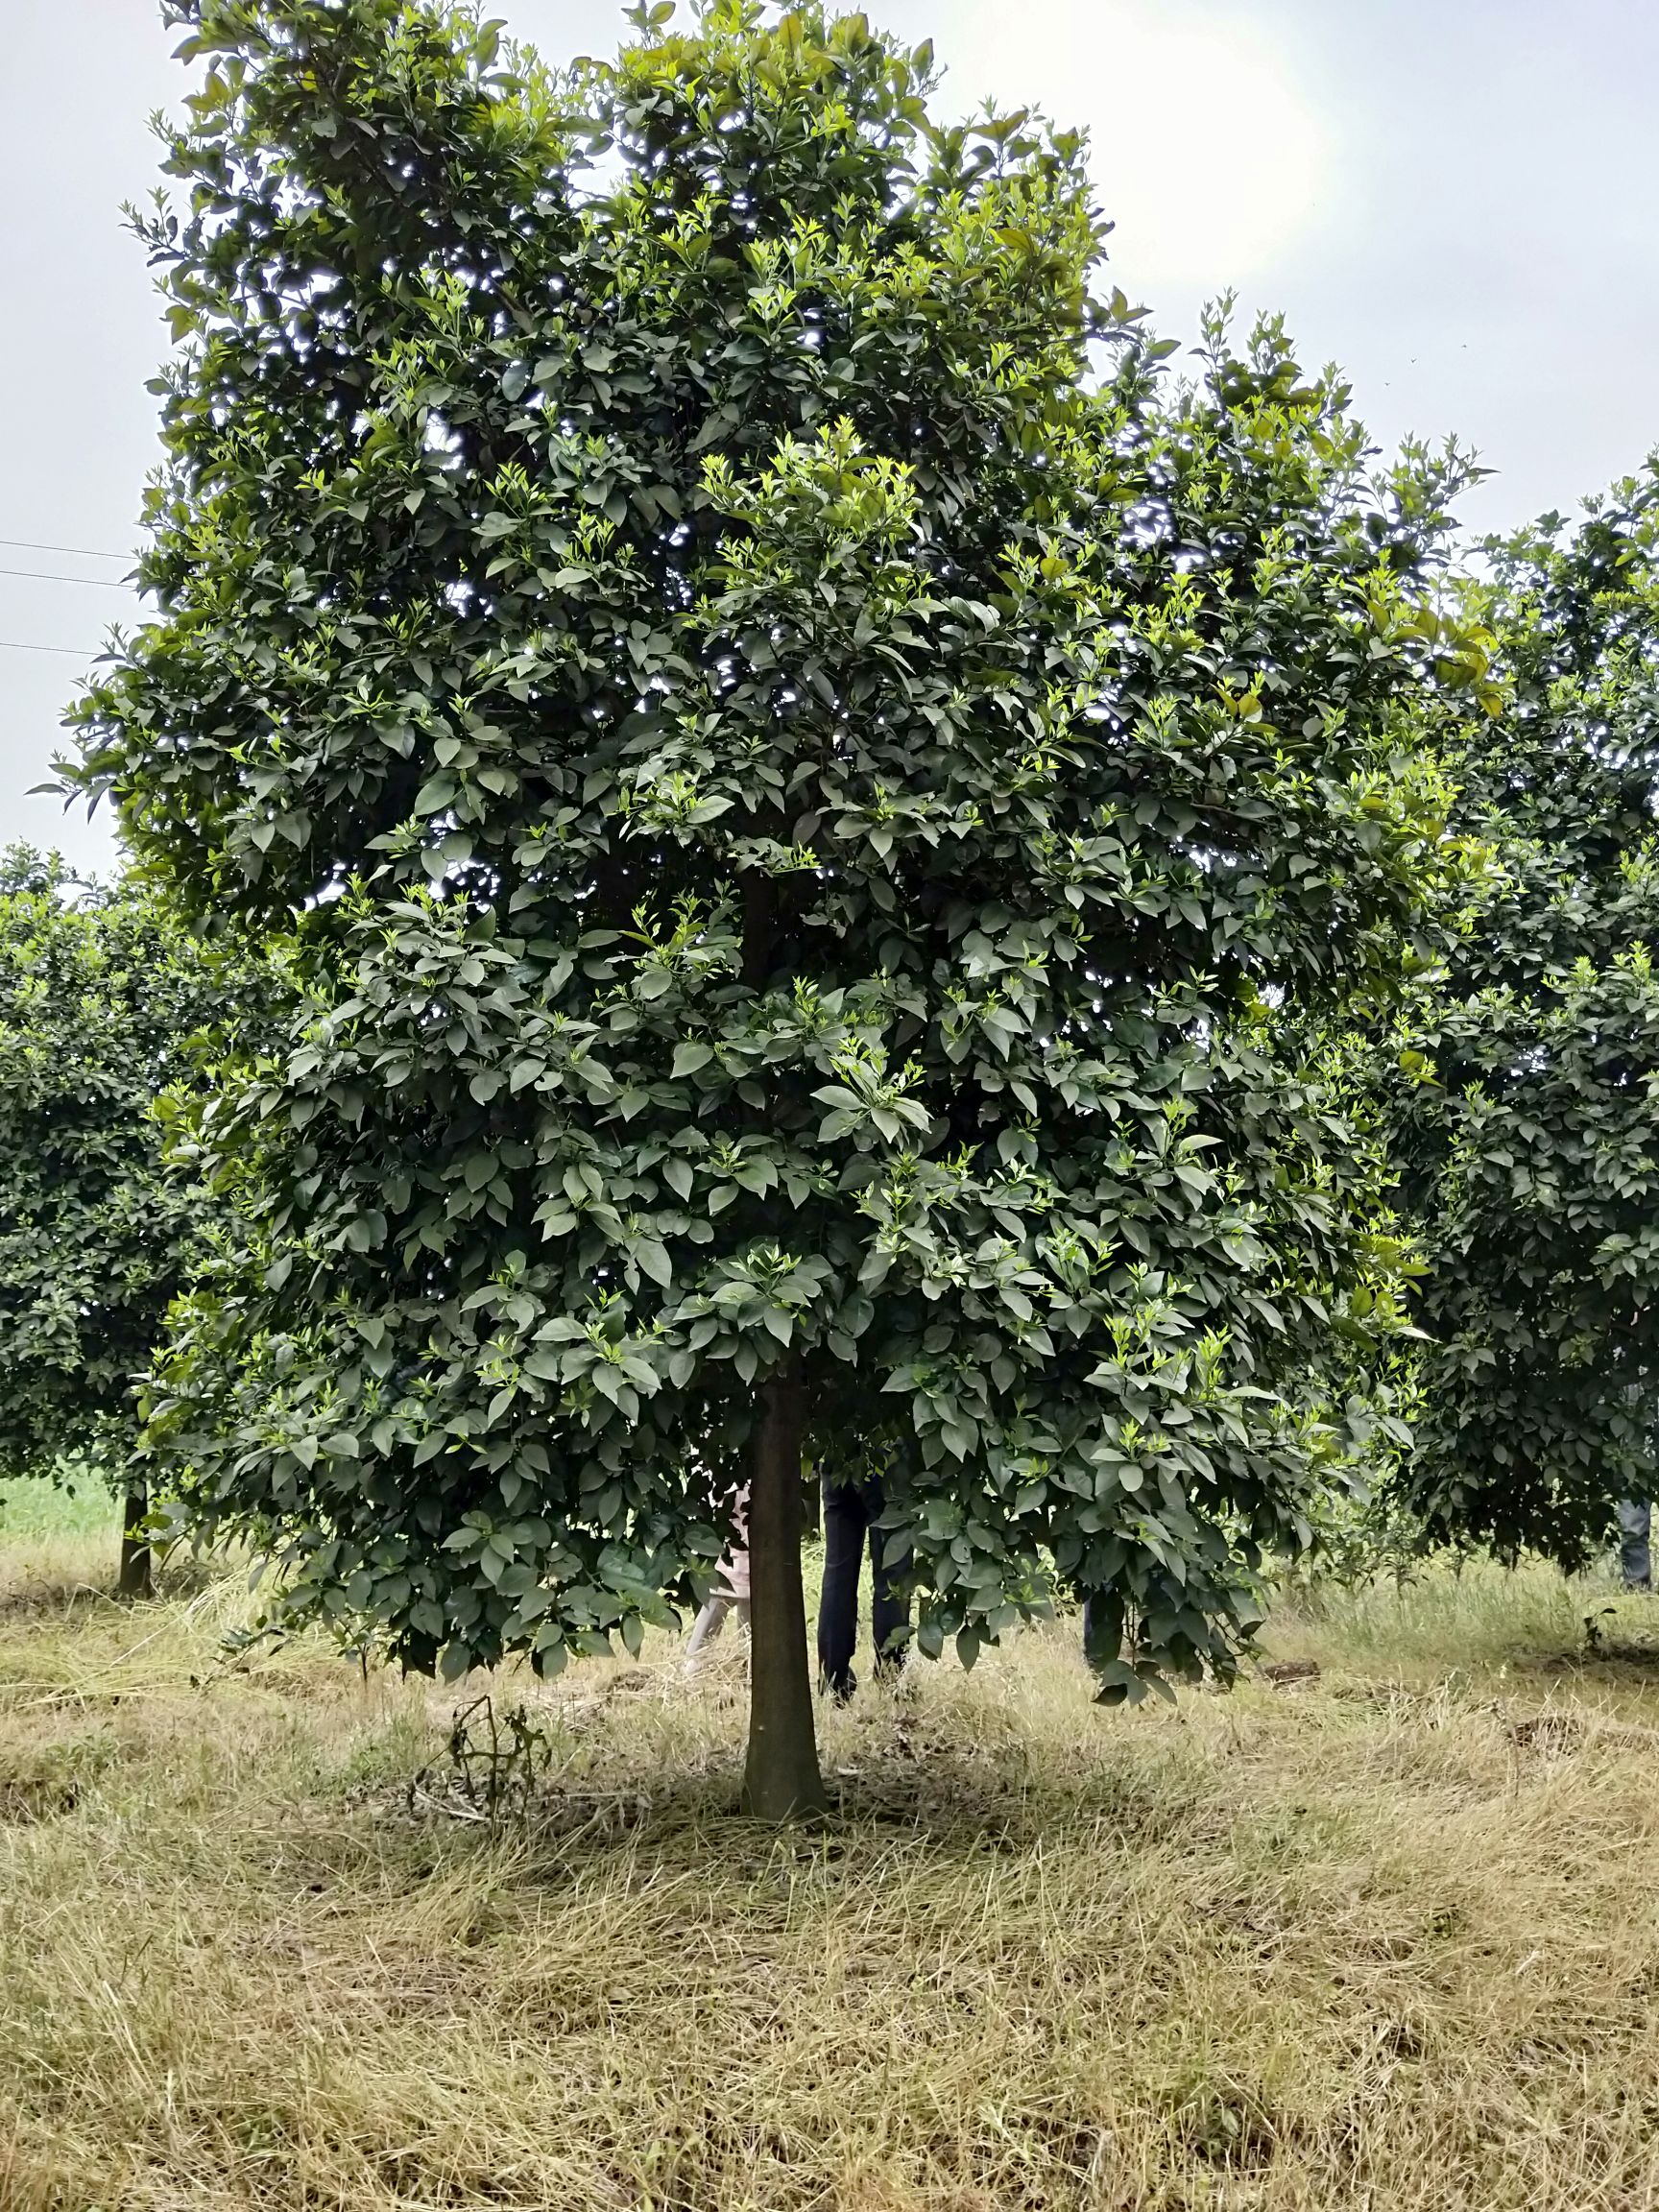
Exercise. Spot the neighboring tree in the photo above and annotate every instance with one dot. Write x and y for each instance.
(1530, 1148)
(801, 818)
(100, 992)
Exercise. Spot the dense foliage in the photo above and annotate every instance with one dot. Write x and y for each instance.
(99, 994)
(1530, 1159)
(801, 812)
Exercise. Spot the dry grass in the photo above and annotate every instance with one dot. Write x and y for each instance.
(1382, 1935)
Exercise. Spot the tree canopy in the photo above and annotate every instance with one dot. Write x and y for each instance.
(1530, 1157)
(100, 994)
(802, 807)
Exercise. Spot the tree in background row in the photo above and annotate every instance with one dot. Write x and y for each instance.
(100, 992)
(1529, 1154)
(801, 813)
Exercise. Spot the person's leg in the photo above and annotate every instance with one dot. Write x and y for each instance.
(844, 1522)
(1095, 1634)
(707, 1626)
(889, 1608)
(1102, 1639)
(1635, 1524)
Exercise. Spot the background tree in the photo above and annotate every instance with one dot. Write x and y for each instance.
(100, 991)
(800, 817)
(1531, 1157)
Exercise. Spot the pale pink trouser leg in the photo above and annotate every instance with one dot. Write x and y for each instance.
(710, 1623)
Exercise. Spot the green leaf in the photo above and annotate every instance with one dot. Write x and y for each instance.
(653, 1259)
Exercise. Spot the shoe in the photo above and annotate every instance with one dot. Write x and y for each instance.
(840, 1686)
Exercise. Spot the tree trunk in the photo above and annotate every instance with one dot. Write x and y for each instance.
(134, 1580)
(782, 1780)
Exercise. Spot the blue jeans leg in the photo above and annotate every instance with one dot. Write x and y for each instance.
(889, 1608)
(846, 1522)
(1635, 1524)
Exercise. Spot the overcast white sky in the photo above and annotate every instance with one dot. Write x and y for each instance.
(1455, 198)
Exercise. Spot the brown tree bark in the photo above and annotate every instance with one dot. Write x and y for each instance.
(135, 1580)
(782, 1780)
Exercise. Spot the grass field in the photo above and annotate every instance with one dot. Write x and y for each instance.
(1380, 1930)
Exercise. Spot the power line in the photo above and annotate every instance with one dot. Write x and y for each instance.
(74, 653)
(91, 552)
(51, 576)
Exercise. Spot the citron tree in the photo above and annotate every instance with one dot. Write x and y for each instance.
(100, 994)
(801, 806)
(1528, 1140)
